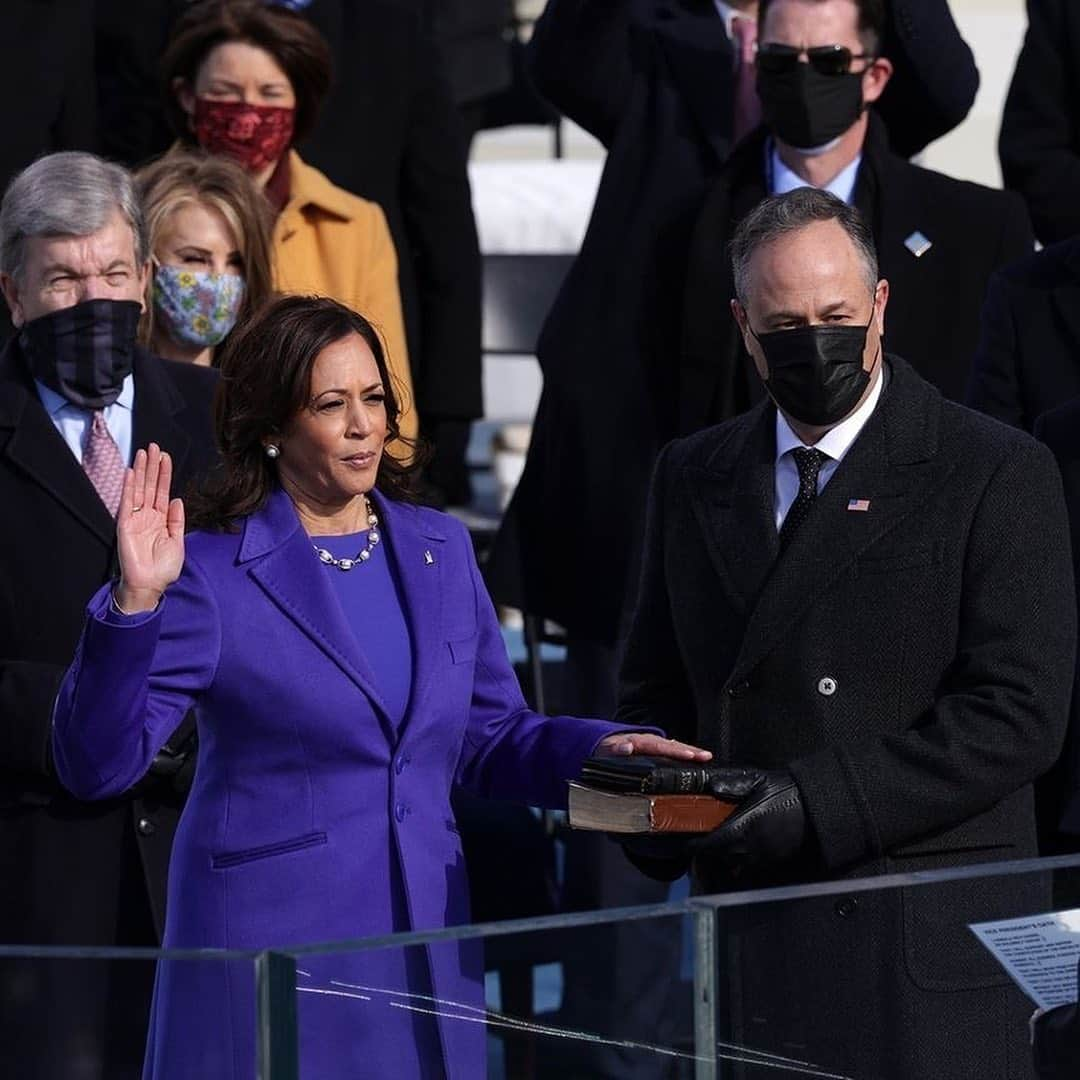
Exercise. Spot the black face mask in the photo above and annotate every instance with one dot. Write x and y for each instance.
(84, 352)
(806, 109)
(816, 373)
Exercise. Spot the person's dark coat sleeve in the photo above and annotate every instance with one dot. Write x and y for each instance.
(935, 78)
(1038, 141)
(579, 58)
(994, 387)
(441, 229)
(27, 693)
(1000, 718)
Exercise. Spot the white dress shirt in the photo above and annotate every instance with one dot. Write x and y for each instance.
(835, 443)
(73, 423)
(782, 179)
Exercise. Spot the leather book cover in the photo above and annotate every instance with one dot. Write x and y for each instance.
(634, 812)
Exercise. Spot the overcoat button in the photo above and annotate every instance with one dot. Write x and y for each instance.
(146, 827)
(827, 686)
(846, 908)
(738, 689)
(400, 811)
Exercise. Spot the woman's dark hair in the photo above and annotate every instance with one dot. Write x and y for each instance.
(265, 382)
(299, 49)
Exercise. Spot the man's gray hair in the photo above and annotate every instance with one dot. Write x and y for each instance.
(66, 194)
(780, 215)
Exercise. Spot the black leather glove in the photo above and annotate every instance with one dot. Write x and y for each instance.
(769, 825)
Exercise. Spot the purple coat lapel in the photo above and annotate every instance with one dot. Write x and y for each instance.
(284, 565)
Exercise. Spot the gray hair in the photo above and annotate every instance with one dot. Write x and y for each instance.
(780, 215)
(66, 194)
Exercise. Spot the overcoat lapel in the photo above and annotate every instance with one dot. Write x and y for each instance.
(157, 402)
(701, 61)
(894, 466)
(416, 548)
(733, 503)
(37, 449)
(286, 568)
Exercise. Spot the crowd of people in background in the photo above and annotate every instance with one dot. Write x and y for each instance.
(223, 154)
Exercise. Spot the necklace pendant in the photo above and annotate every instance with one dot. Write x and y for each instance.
(345, 564)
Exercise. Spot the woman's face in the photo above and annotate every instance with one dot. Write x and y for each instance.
(197, 237)
(237, 71)
(330, 451)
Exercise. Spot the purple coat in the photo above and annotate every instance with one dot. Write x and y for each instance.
(309, 820)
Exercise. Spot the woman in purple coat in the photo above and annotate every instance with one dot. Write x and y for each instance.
(346, 668)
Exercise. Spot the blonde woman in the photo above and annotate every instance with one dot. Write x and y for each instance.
(209, 230)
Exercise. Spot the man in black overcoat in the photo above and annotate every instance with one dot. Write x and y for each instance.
(655, 82)
(939, 239)
(1028, 358)
(859, 595)
(75, 873)
(1039, 143)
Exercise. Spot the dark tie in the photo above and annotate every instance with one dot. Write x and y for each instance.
(809, 464)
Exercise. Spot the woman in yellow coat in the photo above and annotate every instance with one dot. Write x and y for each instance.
(247, 80)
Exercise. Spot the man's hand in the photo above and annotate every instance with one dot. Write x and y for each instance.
(626, 743)
(769, 825)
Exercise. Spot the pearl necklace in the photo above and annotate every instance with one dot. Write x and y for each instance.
(327, 557)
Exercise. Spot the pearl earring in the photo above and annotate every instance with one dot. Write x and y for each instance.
(273, 451)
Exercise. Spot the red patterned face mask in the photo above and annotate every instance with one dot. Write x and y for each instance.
(254, 135)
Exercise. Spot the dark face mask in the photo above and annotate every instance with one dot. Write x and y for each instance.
(816, 373)
(807, 109)
(84, 352)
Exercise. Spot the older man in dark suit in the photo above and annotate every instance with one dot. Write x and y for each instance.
(859, 595)
(77, 397)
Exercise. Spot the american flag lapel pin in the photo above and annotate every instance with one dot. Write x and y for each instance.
(859, 505)
(429, 559)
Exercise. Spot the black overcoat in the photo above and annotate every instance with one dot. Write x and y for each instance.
(935, 300)
(653, 81)
(72, 872)
(911, 665)
(1039, 144)
(1028, 359)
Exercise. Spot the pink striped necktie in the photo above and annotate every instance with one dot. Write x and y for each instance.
(747, 113)
(103, 464)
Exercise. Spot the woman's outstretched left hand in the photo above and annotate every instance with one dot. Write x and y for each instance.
(626, 743)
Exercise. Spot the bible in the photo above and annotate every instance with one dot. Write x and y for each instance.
(639, 812)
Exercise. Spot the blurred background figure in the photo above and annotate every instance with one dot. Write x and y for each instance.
(251, 102)
(209, 234)
(389, 131)
(1040, 129)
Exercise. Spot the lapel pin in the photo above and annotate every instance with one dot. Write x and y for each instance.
(859, 505)
(429, 559)
(918, 244)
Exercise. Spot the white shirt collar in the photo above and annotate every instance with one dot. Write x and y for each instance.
(842, 185)
(55, 402)
(837, 440)
(728, 14)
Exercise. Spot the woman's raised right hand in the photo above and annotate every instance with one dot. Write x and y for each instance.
(150, 532)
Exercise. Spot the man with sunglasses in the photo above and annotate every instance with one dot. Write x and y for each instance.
(820, 76)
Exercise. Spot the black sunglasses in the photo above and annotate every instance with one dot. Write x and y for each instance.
(824, 59)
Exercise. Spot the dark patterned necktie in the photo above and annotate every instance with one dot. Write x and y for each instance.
(809, 464)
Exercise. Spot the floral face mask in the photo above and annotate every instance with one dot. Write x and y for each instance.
(195, 307)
